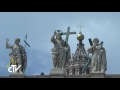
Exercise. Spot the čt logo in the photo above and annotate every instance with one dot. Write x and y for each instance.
(14, 68)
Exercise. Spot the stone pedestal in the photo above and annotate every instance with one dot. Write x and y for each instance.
(16, 75)
(57, 73)
(98, 75)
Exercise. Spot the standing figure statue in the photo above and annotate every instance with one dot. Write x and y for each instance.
(67, 54)
(18, 55)
(59, 52)
(98, 61)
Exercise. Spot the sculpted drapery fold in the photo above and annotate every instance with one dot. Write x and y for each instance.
(60, 51)
(98, 62)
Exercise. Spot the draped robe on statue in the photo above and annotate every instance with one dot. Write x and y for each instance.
(98, 62)
(59, 54)
(18, 55)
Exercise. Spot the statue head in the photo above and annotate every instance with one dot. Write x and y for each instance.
(95, 41)
(17, 41)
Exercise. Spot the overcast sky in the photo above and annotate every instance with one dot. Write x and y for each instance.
(40, 26)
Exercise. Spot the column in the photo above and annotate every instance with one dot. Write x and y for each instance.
(76, 71)
(80, 70)
(70, 72)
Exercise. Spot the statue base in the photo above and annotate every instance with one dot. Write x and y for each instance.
(17, 75)
(57, 73)
(98, 75)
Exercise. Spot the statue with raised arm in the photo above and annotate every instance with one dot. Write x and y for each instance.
(18, 55)
(98, 61)
(60, 51)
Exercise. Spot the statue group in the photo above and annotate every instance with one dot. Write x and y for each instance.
(61, 54)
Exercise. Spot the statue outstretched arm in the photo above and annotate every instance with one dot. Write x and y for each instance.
(8, 46)
(53, 39)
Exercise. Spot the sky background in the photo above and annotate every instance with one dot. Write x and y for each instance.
(40, 26)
